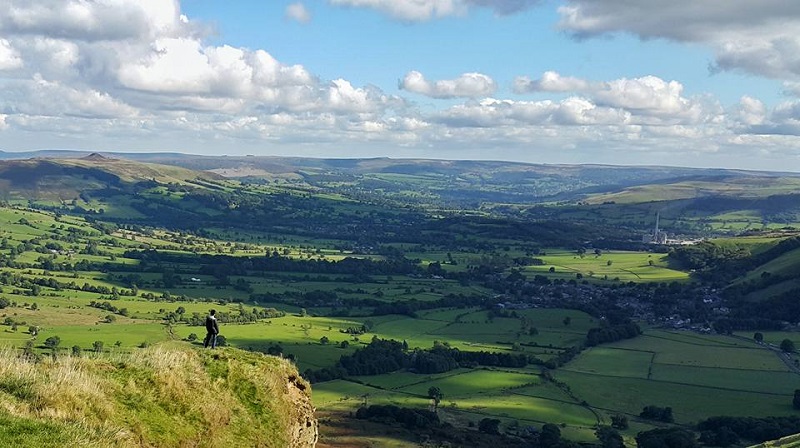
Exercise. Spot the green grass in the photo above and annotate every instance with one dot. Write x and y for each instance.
(614, 362)
(626, 266)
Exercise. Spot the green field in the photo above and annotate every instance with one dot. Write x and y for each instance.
(609, 265)
(696, 375)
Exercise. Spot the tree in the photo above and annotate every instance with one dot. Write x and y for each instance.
(619, 421)
(98, 346)
(192, 337)
(657, 413)
(567, 320)
(721, 437)
(489, 426)
(666, 438)
(609, 437)
(324, 340)
(76, 350)
(33, 330)
(552, 269)
(550, 436)
(796, 401)
(435, 394)
(787, 346)
(52, 342)
(344, 344)
(758, 337)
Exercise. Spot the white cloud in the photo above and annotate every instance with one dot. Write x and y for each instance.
(792, 88)
(422, 10)
(468, 85)
(298, 12)
(39, 97)
(752, 118)
(492, 113)
(751, 111)
(756, 37)
(9, 57)
(92, 20)
(550, 82)
(647, 96)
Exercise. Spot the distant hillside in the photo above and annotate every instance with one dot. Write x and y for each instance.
(468, 182)
(66, 179)
(159, 397)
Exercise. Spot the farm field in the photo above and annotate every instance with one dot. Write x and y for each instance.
(609, 265)
(696, 375)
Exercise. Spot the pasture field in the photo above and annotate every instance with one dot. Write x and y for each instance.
(609, 265)
(696, 375)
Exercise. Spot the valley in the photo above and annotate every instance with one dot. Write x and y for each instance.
(516, 298)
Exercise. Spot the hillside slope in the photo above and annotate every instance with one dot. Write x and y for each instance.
(167, 395)
(66, 179)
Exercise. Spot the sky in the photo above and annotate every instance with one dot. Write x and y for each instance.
(712, 83)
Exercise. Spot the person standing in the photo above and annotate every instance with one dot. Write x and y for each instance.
(212, 330)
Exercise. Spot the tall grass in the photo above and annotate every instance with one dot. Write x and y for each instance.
(167, 395)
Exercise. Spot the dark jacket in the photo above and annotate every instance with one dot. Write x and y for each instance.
(211, 325)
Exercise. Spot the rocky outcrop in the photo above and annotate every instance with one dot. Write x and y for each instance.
(303, 428)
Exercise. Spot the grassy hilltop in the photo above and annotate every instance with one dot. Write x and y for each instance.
(167, 395)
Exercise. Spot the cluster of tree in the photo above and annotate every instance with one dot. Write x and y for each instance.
(109, 307)
(612, 333)
(241, 317)
(562, 358)
(35, 283)
(224, 265)
(389, 414)
(721, 263)
(657, 413)
(666, 438)
(750, 428)
(728, 325)
(778, 309)
(384, 356)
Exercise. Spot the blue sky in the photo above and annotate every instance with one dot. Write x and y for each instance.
(571, 81)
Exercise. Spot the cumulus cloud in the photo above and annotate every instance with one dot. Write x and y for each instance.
(550, 82)
(92, 20)
(784, 119)
(645, 96)
(421, 10)
(756, 37)
(77, 59)
(750, 111)
(298, 13)
(9, 57)
(468, 85)
(791, 88)
(490, 113)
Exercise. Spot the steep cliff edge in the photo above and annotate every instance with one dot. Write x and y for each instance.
(170, 395)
